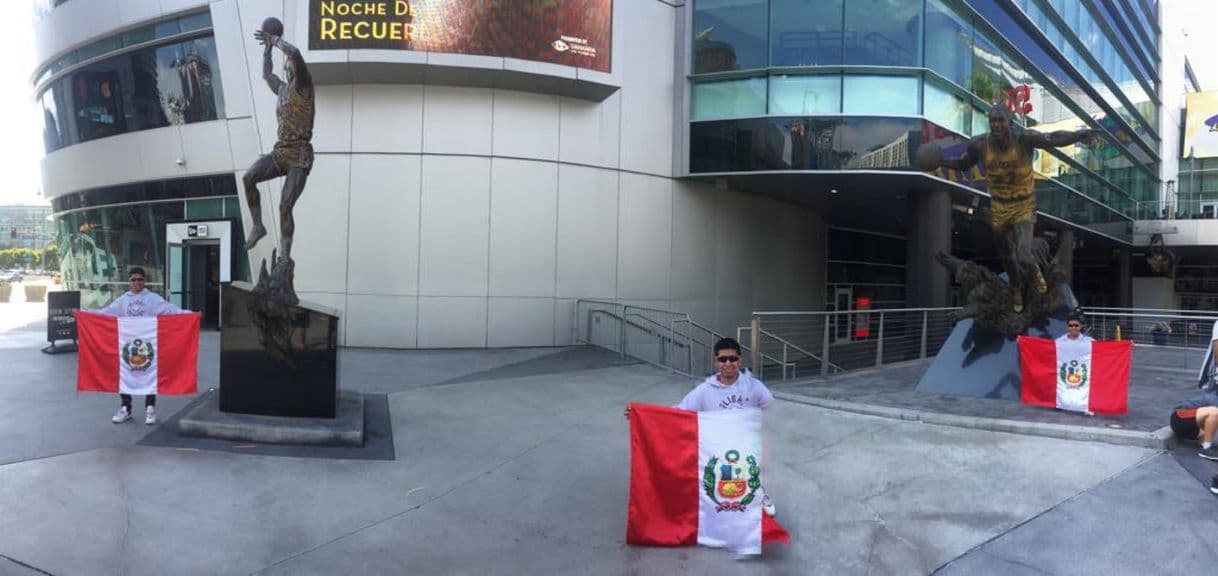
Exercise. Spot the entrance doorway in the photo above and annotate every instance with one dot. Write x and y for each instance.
(198, 259)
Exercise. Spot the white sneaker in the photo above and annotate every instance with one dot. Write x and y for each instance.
(150, 415)
(121, 416)
(768, 506)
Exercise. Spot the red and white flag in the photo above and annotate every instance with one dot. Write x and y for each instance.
(695, 478)
(138, 355)
(1076, 375)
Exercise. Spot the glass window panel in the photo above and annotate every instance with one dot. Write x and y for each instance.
(806, 95)
(946, 108)
(54, 110)
(980, 122)
(896, 95)
(805, 33)
(98, 48)
(729, 99)
(97, 99)
(951, 39)
(887, 33)
(195, 21)
(201, 209)
(729, 35)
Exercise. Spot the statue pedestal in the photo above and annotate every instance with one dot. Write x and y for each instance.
(277, 359)
(977, 361)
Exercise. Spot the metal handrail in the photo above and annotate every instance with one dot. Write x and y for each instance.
(867, 311)
(786, 363)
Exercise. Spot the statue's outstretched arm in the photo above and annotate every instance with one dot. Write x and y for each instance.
(1058, 138)
(972, 154)
(303, 78)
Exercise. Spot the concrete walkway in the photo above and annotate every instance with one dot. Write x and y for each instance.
(516, 462)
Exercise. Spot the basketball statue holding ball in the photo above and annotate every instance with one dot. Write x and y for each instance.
(291, 157)
(1006, 156)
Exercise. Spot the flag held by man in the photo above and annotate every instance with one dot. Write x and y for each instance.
(695, 478)
(138, 355)
(1079, 376)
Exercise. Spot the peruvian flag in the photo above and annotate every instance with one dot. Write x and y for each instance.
(1081, 375)
(138, 355)
(695, 478)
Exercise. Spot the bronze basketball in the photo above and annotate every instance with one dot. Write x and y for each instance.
(272, 26)
(928, 157)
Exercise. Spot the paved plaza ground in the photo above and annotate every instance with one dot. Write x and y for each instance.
(516, 462)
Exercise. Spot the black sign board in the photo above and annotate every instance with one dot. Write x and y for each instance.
(61, 319)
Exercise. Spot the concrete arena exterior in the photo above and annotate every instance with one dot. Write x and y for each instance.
(456, 200)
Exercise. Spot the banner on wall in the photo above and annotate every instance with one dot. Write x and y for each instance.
(1201, 125)
(570, 32)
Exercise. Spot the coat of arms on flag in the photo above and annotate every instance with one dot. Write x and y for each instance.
(696, 478)
(138, 354)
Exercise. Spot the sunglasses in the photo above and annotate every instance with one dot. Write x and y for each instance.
(729, 359)
(1074, 325)
(137, 279)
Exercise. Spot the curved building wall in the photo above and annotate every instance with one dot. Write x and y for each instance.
(444, 214)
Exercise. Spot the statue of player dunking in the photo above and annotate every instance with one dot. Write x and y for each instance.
(292, 155)
(1007, 158)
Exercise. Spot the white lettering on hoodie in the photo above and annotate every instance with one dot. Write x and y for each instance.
(710, 395)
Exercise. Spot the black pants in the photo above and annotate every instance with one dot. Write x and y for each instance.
(149, 400)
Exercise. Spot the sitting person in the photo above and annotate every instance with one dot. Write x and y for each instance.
(1197, 419)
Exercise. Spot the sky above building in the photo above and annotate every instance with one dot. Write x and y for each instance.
(21, 148)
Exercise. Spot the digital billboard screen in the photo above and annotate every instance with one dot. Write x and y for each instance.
(1201, 125)
(569, 32)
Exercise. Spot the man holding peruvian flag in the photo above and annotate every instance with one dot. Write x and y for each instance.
(126, 348)
(1075, 372)
(695, 469)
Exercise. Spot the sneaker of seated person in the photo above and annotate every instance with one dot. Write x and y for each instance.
(123, 415)
(1210, 453)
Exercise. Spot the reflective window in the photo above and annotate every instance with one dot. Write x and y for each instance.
(887, 33)
(896, 95)
(804, 33)
(951, 40)
(728, 99)
(150, 32)
(176, 83)
(729, 35)
(806, 95)
(946, 108)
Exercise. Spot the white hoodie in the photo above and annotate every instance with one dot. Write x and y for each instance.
(745, 392)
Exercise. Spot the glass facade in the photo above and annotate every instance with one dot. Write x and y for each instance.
(104, 232)
(144, 85)
(176, 83)
(918, 70)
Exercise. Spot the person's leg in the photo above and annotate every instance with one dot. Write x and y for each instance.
(1026, 258)
(263, 169)
(124, 409)
(1207, 421)
(1005, 243)
(150, 409)
(293, 187)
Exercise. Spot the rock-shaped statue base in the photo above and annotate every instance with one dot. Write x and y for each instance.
(989, 299)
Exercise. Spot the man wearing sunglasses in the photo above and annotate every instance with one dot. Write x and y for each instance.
(139, 302)
(729, 388)
(1074, 331)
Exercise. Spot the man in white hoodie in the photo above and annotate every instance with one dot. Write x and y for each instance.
(139, 302)
(730, 388)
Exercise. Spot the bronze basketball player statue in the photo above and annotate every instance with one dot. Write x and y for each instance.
(1006, 155)
(291, 157)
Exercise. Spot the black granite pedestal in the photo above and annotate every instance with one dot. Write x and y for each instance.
(277, 359)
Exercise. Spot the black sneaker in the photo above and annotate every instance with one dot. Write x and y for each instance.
(1210, 453)
(1214, 485)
